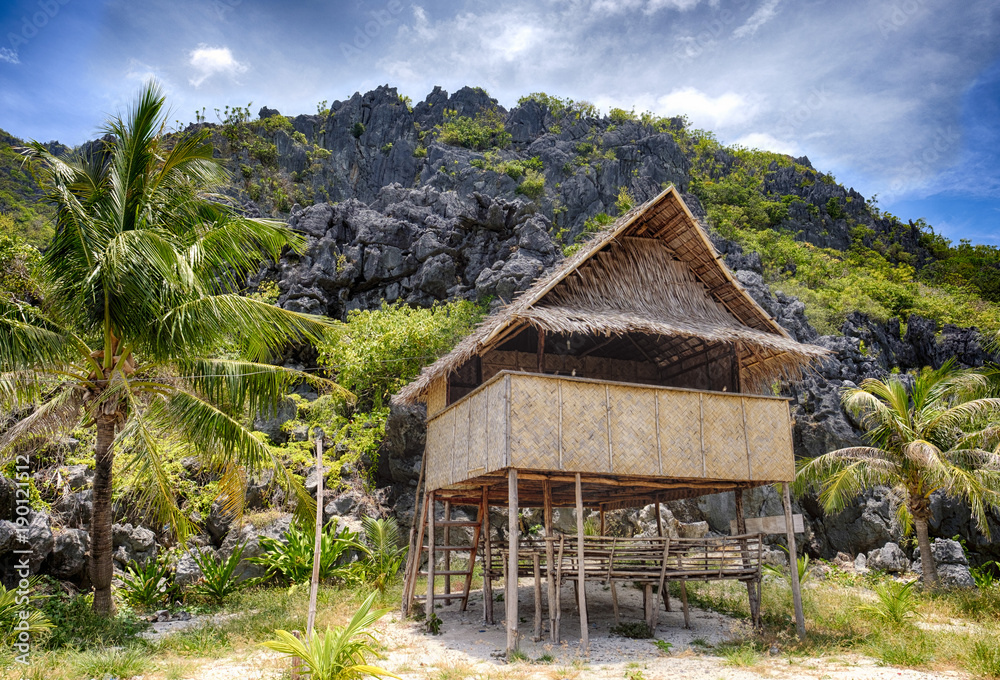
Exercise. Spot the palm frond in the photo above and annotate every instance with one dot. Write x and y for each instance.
(58, 414)
(234, 248)
(260, 328)
(237, 385)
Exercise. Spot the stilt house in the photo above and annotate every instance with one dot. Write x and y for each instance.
(638, 371)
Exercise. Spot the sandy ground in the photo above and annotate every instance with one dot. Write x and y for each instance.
(468, 649)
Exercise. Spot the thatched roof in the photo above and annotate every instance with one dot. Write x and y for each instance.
(653, 271)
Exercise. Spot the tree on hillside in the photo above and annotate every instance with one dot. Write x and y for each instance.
(137, 304)
(928, 433)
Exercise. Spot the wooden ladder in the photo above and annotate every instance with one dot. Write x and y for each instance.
(431, 524)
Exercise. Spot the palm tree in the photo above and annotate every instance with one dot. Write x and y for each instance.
(929, 433)
(138, 306)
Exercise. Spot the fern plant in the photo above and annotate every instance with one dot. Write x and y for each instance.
(219, 579)
(293, 559)
(896, 603)
(339, 653)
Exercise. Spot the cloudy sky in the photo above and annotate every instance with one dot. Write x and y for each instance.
(898, 98)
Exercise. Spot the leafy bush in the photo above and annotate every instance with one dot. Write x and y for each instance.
(533, 185)
(486, 130)
(218, 576)
(560, 107)
(11, 620)
(148, 585)
(358, 129)
(340, 653)
(293, 560)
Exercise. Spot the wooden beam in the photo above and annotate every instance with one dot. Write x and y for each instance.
(510, 587)
(581, 572)
(541, 350)
(793, 567)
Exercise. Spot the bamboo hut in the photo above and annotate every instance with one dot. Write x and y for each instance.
(638, 371)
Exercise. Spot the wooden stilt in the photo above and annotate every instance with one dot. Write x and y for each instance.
(510, 585)
(581, 572)
(487, 560)
(603, 531)
(659, 532)
(429, 603)
(649, 602)
(413, 561)
(559, 561)
(752, 586)
(793, 567)
(447, 553)
(684, 604)
(536, 559)
(614, 602)
(413, 555)
(549, 554)
(662, 587)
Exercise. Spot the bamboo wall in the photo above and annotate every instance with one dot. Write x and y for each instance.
(536, 422)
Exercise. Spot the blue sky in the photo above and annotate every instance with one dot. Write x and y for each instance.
(898, 98)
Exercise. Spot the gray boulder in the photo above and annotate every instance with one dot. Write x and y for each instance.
(890, 558)
(218, 522)
(188, 571)
(75, 509)
(951, 562)
(40, 539)
(249, 537)
(270, 423)
(76, 477)
(132, 544)
(69, 553)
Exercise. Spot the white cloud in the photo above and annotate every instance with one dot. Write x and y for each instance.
(9, 55)
(209, 61)
(767, 142)
(763, 14)
(727, 109)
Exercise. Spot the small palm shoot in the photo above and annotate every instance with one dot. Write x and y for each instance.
(385, 555)
(802, 564)
(339, 653)
(896, 603)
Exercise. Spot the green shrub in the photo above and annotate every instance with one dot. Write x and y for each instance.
(486, 130)
(358, 129)
(148, 585)
(293, 560)
(117, 664)
(11, 619)
(619, 116)
(533, 185)
(76, 625)
(219, 578)
(340, 653)
(896, 603)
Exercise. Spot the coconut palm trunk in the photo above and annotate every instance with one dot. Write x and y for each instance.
(920, 509)
(101, 547)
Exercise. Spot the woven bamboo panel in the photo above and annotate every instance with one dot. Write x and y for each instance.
(438, 450)
(460, 443)
(724, 437)
(437, 397)
(534, 423)
(496, 425)
(680, 433)
(633, 431)
(477, 432)
(584, 427)
(769, 437)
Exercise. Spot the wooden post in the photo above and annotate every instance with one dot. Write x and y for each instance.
(537, 573)
(549, 557)
(602, 522)
(413, 561)
(659, 532)
(317, 546)
(541, 350)
(510, 587)
(581, 571)
(793, 566)
(487, 560)
(429, 604)
(659, 520)
(447, 553)
(753, 593)
(415, 546)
